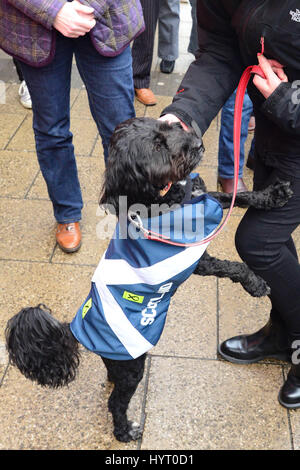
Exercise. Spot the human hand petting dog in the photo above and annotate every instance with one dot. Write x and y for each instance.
(274, 74)
(172, 118)
(74, 19)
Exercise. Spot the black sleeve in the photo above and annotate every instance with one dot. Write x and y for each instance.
(215, 74)
(283, 107)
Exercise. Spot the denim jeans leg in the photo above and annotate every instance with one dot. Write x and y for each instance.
(49, 88)
(226, 153)
(109, 84)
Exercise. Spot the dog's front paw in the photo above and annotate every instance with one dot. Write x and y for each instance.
(256, 286)
(133, 432)
(278, 194)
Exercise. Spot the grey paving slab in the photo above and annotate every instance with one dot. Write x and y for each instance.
(213, 405)
(9, 125)
(18, 170)
(239, 313)
(7, 70)
(72, 418)
(22, 138)
(98, 149)
(27, 229)
(87, 128)
(295, 428)
(191, 326)
(29, 283)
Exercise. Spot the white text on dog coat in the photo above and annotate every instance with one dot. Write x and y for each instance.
(149, 313)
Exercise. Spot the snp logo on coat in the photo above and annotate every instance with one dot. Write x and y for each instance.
(295, 15)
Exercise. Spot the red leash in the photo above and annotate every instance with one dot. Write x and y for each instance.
(238, 110)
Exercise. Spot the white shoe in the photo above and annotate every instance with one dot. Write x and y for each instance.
(24, 94)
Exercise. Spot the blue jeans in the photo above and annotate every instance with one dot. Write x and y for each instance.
(226, 155)
(109, 85)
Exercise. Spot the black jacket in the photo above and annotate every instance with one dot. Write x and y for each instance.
(229, 40)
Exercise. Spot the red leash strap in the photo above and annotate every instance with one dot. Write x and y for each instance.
(238, 110)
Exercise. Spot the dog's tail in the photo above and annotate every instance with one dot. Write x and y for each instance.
(41, 347)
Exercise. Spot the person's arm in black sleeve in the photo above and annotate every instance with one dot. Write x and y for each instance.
(213, 77)
(282, 98)
(283, 107)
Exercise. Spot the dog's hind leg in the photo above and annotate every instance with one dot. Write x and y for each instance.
(126, 376)
(237, 272)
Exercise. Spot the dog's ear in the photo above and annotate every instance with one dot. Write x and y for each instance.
(118, 149)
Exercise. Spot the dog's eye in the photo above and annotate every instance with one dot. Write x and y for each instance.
(157, 147)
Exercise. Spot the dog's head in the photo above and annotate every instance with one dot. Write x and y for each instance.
(43, 349)
(145, 155)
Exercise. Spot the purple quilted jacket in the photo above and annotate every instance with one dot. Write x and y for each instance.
(26, 30)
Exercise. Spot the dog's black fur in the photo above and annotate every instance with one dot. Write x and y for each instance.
(145, 154)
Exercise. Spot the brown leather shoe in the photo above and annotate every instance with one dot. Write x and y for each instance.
(227, 185)
(145, 96)
(68, 236)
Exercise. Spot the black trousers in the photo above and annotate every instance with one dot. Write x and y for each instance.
(264, 241)
(143, 45)
(19, 71)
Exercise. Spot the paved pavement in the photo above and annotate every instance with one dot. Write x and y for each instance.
(188, 399)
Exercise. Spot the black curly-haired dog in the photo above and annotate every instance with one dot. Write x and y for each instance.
(145, 156)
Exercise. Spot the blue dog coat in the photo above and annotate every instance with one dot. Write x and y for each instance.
(125, 312)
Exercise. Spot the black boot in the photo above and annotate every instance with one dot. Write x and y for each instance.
(270, 341)
(289, 395)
